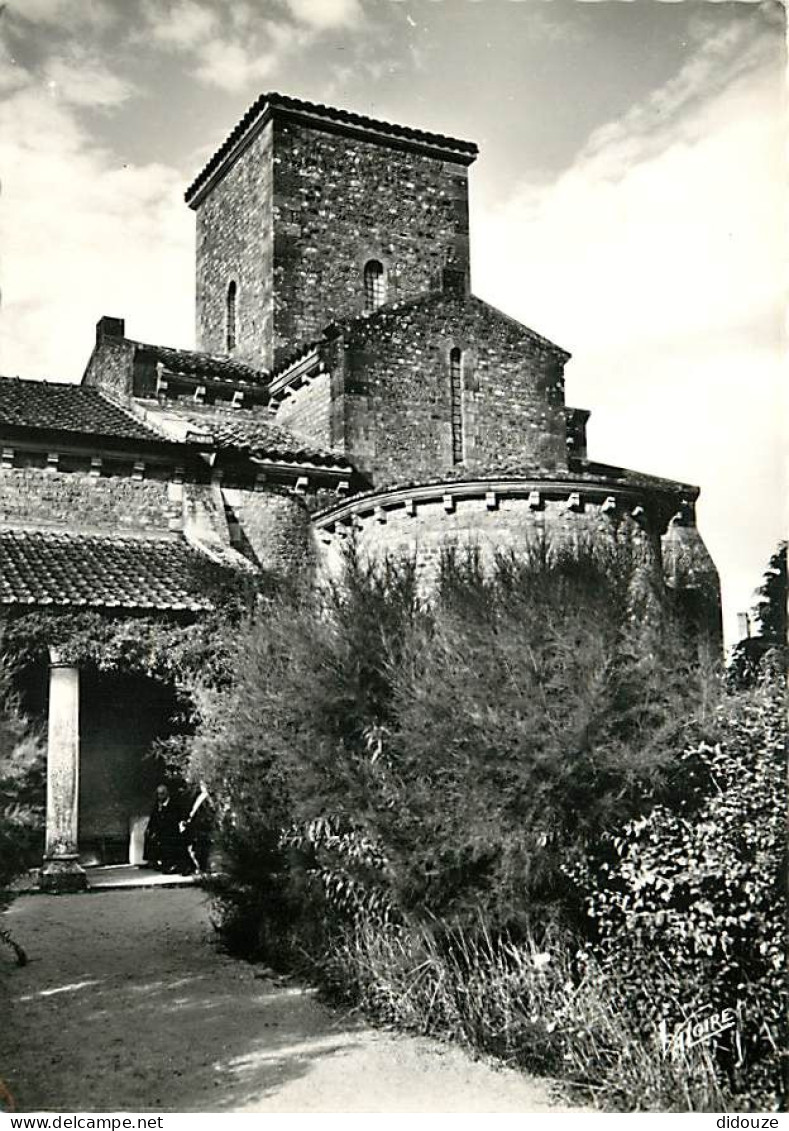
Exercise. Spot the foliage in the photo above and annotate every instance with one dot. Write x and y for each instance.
(769, 614)
(21, 785)
(771, 604)
(531, 1003)
(703, 893)
(472, 816)
(472, 740)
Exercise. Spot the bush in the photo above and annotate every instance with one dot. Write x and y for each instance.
(474, 741)
(22, 769)
(702, 893)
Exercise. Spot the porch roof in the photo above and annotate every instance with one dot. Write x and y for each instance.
(55, 568)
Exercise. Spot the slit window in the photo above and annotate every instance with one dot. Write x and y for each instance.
(374, 285)
(456, 403)
(230, 320)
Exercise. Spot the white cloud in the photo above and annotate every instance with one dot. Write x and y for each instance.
(83, 13)
(182, 25)
(84, 81)
(658, 259)
(231, 66)
(238, 46)
(82, 236)
(323, 14)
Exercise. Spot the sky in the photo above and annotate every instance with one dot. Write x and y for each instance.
(628, 201)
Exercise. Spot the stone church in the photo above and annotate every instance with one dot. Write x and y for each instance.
(346, 382)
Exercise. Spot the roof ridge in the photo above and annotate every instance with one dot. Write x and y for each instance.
(222, 360)
(274, 100)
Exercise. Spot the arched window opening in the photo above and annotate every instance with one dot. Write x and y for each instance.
(230, 321)
(374, 285)
(456, 402)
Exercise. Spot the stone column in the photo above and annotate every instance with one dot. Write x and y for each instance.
(62, 871)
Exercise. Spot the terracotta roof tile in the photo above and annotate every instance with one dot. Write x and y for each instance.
(274, 101)
(57, 568)
(67, 408)
(197, 364)
(250, 433)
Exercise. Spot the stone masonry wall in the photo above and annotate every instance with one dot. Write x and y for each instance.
(308, 411)
(342, 201)
(397, 403)
(235, 242)
(78, 501)
(511, 527)
(111, 368)
(275, 527)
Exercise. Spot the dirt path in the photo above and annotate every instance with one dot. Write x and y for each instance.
(126, 1005)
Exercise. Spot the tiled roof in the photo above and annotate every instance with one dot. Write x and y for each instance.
(208, 365)
(581, 472)
(56, 568)
(249, 433)
(273, 101)
(67, 408)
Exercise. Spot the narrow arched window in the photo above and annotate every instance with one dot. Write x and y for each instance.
(456, 402)
(374, 285)
(230, 318)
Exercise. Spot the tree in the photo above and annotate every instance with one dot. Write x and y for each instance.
(770, 608)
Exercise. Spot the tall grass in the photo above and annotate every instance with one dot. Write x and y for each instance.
(538, 1007)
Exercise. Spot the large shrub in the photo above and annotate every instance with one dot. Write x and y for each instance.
(22, 769)
(701, 894)
(476, 739)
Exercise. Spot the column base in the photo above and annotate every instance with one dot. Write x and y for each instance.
(61, 875)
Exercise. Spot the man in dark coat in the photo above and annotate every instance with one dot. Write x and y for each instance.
(164, 845)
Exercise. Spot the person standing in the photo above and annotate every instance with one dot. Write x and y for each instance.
(196, 828)
(163, 843)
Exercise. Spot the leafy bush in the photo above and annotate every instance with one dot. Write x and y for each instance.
(473, 741)
(22, 768)
(702, 893)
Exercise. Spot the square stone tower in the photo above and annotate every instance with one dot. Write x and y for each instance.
(307, 215)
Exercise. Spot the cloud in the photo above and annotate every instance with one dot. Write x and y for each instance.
(230, 53)
(84, 13)
(184, 25)
(82, 235)
(235, 47)
(324, 14)
(657, 258)
(81, 80)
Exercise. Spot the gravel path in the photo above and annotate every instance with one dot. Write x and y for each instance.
(126, 1005)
